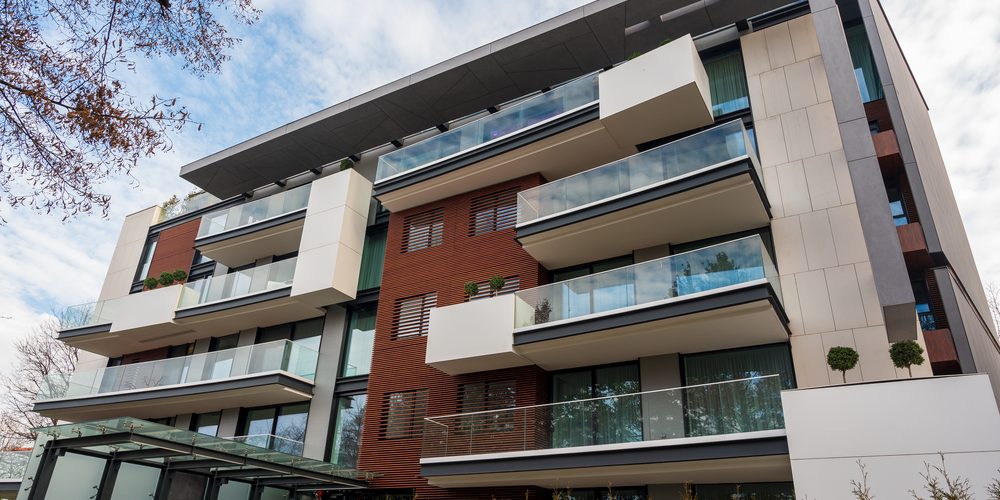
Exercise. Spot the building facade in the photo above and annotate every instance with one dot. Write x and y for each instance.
(604, 257)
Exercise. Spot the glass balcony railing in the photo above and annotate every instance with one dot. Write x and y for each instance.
(82, 315)
(237, 284)
(254, 211)
(670, 162)
(697, 411)
(272, 442)
(194, 201)
(13, 464)
(702, 271)
(508, 121)
(283, 355)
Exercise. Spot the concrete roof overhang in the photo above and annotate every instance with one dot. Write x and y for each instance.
(586, 39)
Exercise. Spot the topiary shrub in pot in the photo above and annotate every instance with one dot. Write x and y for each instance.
(496, 284)
(180, 275)
(842, 359)
(905, 354)
(471, 289)
(166, 278)
(150, 283)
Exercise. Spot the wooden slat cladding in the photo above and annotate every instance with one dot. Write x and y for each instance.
(423, 230)
(937, 306)
(412, 315)
(398, 363)
(511, 284)
(493, 212)
(174, 249)
(404, 414)
(487, 395)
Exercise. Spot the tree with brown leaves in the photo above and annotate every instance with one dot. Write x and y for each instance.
(67, 120)
(43, 363)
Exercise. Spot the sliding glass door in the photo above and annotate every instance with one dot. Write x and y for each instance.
(600, 419)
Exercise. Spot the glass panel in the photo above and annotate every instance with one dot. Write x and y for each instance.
(714, 409)
(147, 260)
(507, 121)
(13, 464)
(291, 428)
(710, 268)
(270, 493)
(135, 481)
(190, 203)
(281, 355)
(254, 211)
(234, 490)
(259, 422)
(710, 148)
(372, 258)
(360, 342)
(75, 477)
(864, 64)
(235, 284)
(350, 421)
(207, 423)
(727, 82)
(82, 315)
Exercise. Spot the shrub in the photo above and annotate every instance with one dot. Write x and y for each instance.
(471, 289)
(905, 354)
(180, 275)
(166, 278)
(346, 164)
(842, 359)
(497, 283)
(150, 283)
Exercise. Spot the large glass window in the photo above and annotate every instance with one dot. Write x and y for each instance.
(594, 297)
(864, 64)
(206, 423)
(348, 426)
(360, 341)
(147, 259)
(372, 259)
(281, 428)
(727, 82)
(726, 408)
(922, 297)
(307, 333)
(614, 420)
(221, 365)
(234, 490)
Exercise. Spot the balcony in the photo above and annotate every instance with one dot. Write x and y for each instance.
(273, 224)
(262, 374)
(717, 297)
(703, 185)
(572, 127)
(914, 246)
(716, 433)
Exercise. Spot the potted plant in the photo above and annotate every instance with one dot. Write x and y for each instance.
(496, 284)
(180, 275)
(166, 278)
(150, 283)
(905, 354)
(542, 312)
(471, 289)
(346, 164)
(842, 359)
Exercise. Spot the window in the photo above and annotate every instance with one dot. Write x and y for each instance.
(727, 82)
(307, 333)
(896, 206)
(220, 365)
(511, 284)
(618, 421)
(864, 64)
(486, 396)
(147, 259)
(599, 296)
(493, 212)
(372, 259)
(279, 428)
(404, 413)
(748, 491)
(608, 494)
(423, 230)
(348, 426)
(206, 423)
(360, 341)
(922, 297)
(413, 315)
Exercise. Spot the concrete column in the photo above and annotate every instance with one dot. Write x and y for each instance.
(229, 423)
(322, 406)
(663, 412)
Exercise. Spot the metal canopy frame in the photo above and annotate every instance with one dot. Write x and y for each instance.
(171, 449)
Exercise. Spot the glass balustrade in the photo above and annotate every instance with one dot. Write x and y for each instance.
(697, 411)
(705, 150)
(507, 121)
(237, 284)
(254, 211)
(191, 203)
(700, 271)
(13, 464)
(272, 442)
(82, 315)
(282, 355)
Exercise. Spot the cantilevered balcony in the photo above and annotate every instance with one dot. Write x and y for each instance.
(265, 226)
(271, 373)
(717, 297)
(703, 185)
(572, 127)
(724, 432)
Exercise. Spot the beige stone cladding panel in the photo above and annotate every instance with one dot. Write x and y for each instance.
(826, 277)
(128, 251)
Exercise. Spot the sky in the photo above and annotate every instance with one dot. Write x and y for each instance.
(303, 56)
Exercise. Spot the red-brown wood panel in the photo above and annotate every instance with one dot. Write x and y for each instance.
(174, 248)
(398, 363)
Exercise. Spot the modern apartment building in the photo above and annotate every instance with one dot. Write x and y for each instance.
(603, 257)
